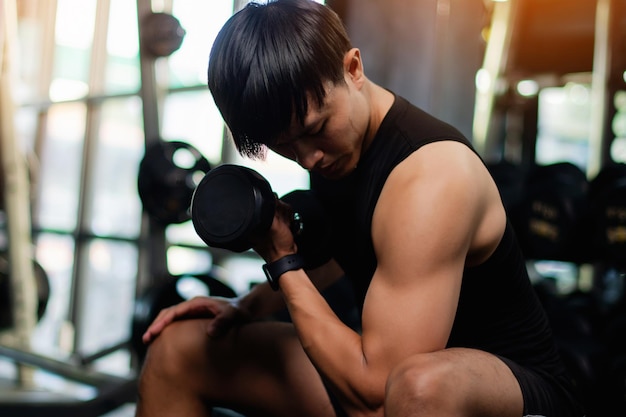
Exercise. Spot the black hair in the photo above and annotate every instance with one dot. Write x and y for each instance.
(267, 60)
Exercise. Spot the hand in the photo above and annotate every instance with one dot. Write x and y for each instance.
(225, 312)
(279, 241)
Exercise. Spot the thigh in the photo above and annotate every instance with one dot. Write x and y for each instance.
(257, 369)
(457, 381)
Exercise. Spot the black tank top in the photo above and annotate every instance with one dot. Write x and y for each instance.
(498, 310)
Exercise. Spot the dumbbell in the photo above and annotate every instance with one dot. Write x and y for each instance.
(233, 206)
(8, 304)
(552, 213)
(167, 177)
(607, 200)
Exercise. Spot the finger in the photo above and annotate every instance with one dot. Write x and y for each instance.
(165, 317)
(162, 320)
(221, 323)
(284, 211)
(196, 307)
(229, 317)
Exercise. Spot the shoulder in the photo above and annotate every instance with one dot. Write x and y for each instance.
(442, 189)
(448, 163)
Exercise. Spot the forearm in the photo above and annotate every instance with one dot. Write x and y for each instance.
(334, 348)
(262, 301)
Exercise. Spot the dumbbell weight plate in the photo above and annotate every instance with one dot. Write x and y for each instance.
(231, 205)
(552, 213)
(607, 195)
(165, 184)
(161, 34)
(6, 302)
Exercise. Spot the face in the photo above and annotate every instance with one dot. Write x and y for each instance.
(332, 137)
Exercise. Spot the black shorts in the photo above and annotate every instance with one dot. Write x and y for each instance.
(546, 395)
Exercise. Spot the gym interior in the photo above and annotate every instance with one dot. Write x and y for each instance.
(107, 128)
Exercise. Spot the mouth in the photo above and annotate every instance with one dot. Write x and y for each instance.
(330, 171)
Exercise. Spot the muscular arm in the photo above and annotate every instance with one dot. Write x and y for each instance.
(438, 209)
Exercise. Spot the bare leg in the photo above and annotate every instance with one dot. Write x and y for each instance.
(258, 369)
(453, 382)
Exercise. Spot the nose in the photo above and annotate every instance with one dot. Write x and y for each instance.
(307, 155)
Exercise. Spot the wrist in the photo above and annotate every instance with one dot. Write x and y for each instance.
(276, 254)
(273, 270)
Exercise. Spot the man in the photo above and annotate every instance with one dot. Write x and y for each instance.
(450, 323)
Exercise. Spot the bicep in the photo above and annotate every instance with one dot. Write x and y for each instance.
(421, 246)
(408, 312)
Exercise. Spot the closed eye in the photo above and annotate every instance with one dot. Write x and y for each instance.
(313, 130)
(316, 129)
(320, 130)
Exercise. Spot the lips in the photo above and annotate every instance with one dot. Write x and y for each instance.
(330, 170)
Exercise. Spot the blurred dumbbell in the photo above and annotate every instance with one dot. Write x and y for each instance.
(607, 199)
(233, 206)
(553, 213)
(161, 34)
(8, 304)
(167, 177)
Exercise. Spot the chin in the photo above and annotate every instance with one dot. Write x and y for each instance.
(338, 174)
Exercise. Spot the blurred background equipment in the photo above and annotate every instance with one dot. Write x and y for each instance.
(168, 175)
(532, 82)
(162, 34)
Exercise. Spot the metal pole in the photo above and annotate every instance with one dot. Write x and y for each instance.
(494, 65)
(599, 84)
(153, 251)
(16, 195)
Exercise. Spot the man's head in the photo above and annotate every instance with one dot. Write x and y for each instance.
(267, 61)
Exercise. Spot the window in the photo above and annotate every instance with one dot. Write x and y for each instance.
(79, 118)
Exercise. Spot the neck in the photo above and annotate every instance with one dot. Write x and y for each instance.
(381, 101)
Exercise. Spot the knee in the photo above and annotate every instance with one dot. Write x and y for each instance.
(421, 382)
(177, 350)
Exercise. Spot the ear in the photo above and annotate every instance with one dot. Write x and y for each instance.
(353, 67)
